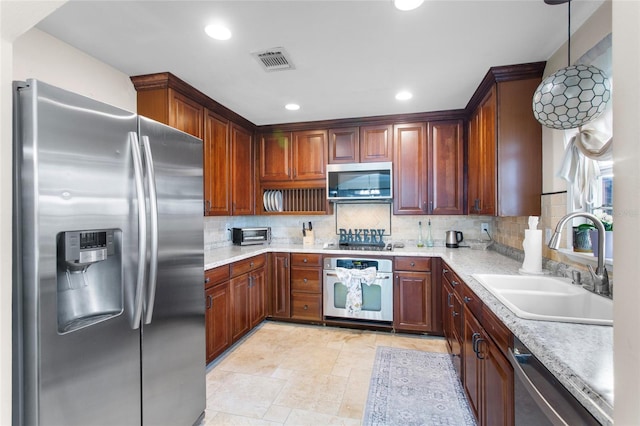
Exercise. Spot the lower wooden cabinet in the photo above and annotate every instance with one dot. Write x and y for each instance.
(279, 286)
(217, 311)
(248, 291)
(451, 320)
(488, 375)
(306, 287)
(415, 304)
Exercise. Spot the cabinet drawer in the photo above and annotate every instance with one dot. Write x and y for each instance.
(496, 329)
(306, 259)
(216, 275)
(472, 301)
(452, 279)
(306, 279)
(306, 306)
(412, 264)
(242, 266)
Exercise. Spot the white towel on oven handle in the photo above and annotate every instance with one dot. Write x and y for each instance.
(353, 280)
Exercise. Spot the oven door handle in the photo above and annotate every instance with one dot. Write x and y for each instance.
(332, 274)
(532, 390)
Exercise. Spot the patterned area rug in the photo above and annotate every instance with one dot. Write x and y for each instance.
(411, 387)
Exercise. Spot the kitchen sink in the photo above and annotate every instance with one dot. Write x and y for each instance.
(548, 298)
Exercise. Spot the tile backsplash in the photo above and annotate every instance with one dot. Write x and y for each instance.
(404, 228)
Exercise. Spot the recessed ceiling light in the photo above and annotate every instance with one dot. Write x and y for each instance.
(218, 32)
(292, 107)
(407, 4)
(404, 96)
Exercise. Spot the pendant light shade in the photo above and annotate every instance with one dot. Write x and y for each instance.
(571, 97)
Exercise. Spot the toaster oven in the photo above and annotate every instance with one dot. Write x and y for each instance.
(248, 236)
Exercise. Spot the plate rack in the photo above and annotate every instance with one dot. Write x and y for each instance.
(295, 201)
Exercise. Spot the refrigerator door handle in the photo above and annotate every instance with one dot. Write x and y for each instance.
(153, 219)
(142, 229)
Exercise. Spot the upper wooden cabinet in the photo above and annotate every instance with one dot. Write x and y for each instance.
(505, 143)
(217, 156)
(228, 158)
(429, 168)
(445, 152)
(361, 144)
(410, 169)
(299, 156)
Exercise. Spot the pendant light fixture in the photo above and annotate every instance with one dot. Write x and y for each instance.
(572, 96)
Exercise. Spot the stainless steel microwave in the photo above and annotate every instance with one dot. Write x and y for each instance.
(360, 181)
(248, 236)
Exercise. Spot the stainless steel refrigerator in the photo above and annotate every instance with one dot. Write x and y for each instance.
(108, 265)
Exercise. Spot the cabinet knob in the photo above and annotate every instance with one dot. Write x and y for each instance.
(454, 283)
(251, 264)
(305, 307)
(305, 280)
(304, 260)
(445, 271)
(467, 299)
(206, 280)
(413, 264)
(454, 314)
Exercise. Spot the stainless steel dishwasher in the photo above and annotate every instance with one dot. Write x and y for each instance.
(540, 399)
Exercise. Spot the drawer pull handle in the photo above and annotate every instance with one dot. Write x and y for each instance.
(251, 264)
(413, 264)
(445, 271)
(305, 280)
(206, 280)
(454, 313)
(304, 260)
(454, 283)
(449, 304)
(305, 307)
(467, 299)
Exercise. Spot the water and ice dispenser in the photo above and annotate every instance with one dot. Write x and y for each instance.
(89, 273)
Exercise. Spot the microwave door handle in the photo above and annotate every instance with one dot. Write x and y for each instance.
(153, 219)
(142, 230)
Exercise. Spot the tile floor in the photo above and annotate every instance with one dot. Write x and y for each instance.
(291, 374)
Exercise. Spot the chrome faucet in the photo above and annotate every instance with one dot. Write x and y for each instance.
(600, 276)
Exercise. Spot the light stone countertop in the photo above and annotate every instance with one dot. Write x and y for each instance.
(579, 355)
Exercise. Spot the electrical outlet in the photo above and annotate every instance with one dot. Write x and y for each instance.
(484, 227)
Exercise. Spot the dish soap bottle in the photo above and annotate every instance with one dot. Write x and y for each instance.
(420, 242)
(429, 239)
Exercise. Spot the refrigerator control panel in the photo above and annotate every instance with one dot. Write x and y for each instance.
(86, 247)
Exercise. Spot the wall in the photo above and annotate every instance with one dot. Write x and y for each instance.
(288, 229)
(510, 231)
(41, 56)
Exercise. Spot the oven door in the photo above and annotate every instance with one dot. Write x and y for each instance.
(377, 298)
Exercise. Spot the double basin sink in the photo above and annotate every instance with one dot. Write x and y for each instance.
(548, 298)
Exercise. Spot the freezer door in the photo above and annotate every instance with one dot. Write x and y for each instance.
(76, 355)
(173, 344)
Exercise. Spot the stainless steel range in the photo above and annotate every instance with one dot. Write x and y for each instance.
(375, 295)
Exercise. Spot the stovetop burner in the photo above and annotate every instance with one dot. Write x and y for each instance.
(365, 247)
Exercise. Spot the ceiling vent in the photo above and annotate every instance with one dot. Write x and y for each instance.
(274, 59)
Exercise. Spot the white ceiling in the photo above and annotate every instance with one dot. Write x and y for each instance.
(351, 57)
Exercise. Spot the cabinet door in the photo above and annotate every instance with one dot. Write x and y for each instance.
(217, 166)
(275, 157)
(309, 155)
(472, 377)
(482, 157)
(410, 169)
(344, 145)
(218, 320)
(446, 171)
(412, 301)
(498, 404)
(242, 192)
(239, 306)
(185, 114)
(280, 287)
(257, 287)
(376, 143)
